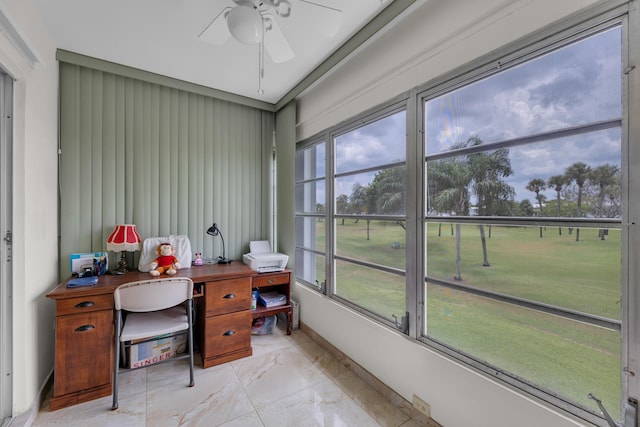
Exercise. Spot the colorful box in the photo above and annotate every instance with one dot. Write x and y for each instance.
(150, 352)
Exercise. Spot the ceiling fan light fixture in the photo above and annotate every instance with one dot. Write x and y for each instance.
(245, 24)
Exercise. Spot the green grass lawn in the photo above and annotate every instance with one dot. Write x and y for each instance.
(567, 357)
(557, 270)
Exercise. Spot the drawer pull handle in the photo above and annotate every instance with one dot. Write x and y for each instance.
(85, 328)
(229, 296)
(271, 281)
(229, 333)
(85, 304)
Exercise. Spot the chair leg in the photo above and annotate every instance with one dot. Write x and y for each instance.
(190, 343)
(116, 364)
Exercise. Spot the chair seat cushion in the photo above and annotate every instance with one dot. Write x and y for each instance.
(151, 324)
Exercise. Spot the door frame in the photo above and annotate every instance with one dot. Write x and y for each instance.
(6, 273)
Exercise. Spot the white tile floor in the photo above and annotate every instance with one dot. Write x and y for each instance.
(289, 381)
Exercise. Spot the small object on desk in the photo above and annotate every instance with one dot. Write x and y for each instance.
(198, 259)
(82, 281)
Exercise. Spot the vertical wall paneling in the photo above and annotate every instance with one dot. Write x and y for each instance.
(167, 160)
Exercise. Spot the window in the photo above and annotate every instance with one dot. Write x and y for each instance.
(522, 223)
(516, 263)
(310, 211)
(369, 220)
(367, 215)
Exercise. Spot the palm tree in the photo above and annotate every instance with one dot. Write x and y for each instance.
(386, 193)
(358, 199)
(452, 180)
(578, 172)
(603, 177)
(342, 205)
(557, 182)
(538, 185)
(493, 195)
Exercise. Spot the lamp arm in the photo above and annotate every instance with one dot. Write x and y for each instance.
(224, 253)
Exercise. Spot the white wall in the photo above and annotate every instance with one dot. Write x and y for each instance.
(435, 38)
(35, 212)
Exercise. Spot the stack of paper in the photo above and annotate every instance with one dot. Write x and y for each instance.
(272, 299)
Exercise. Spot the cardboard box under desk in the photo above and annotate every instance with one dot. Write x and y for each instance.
(150, 352)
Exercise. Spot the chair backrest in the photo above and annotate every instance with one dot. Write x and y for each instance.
(153, 294)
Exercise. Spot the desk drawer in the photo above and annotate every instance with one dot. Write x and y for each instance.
(84, 304)
(228, 296)
(270, 280)
(227, 333)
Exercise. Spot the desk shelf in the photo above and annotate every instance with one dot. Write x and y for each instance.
(279, 282)
(260, 311)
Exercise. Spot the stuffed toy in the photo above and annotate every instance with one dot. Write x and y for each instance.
(166, 262)
(198, 260)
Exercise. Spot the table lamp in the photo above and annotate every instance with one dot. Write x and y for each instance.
(215, 231)
(123, 238)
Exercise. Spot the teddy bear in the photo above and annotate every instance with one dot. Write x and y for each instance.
(166, 261)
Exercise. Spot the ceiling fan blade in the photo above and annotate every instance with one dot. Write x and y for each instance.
(217, 31)
(329, 17)
(275, 41)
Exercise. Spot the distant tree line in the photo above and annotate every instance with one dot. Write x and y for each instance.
(453, 183)
(581, 191)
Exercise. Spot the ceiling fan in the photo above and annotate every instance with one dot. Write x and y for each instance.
(256, 22)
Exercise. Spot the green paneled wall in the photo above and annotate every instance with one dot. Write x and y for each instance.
(168, 160)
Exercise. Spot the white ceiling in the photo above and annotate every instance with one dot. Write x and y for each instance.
(161, 36)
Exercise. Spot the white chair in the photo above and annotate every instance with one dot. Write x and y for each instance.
(153, 307)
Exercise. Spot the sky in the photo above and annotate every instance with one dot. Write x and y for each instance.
(575, 85)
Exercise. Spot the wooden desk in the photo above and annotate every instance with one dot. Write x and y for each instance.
(84, 328)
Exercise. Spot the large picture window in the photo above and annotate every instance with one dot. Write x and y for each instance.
(522, 220)
(517, 196)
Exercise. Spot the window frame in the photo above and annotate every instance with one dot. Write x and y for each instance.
(518, 54)
(314, 142)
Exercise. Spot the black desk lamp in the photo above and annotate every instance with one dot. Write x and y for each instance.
(215, 231)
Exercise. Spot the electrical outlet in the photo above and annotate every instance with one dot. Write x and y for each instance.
(421, 406)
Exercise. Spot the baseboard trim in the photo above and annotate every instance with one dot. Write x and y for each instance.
(27, 418)
(396, 399)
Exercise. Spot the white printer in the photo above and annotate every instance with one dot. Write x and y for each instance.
(261, 259)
